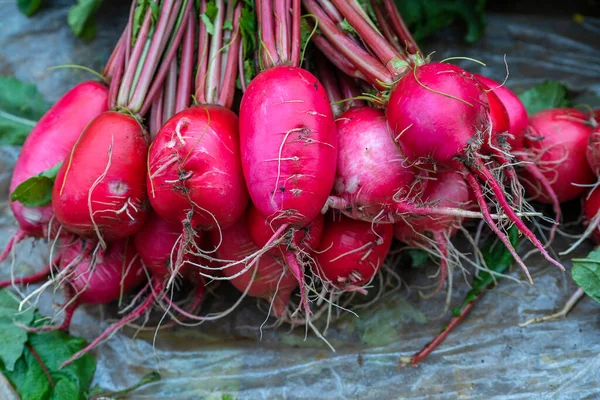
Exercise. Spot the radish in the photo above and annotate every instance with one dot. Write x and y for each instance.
(558, 141)
(593, 151)
(591, 212)
(100, 188)
(90, 275)
(518, 124)
(269, 278)
(154, 243)
(352, 252)
(48, 144)
(194, 164)
(287, 130)
(437, 113)
(448, 188)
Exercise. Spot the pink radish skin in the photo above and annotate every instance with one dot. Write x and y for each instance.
(154, 242)
(100, 189)
(593, 151)
(448, 189)
(273, 281)
(351, 252)
(49, 143)
(518, 124)
(305, 239)
(558, 138)
(446, 138)
(288, 142)
(371, 171)
(517, 114)
(194, 169)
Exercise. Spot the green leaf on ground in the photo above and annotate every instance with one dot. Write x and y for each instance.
(37, 190)
(81, 18)
(545, 95)
(21, 105)
(29, 7)
(418, 257)
(12, 336)
(426, 17)
(586, 274)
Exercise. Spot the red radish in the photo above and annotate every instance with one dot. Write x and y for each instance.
(303, 240)
(518, 124)
(287, 131)
(49, 143)
(437, 112)
(593, 151)
(154, 243)
(448, 189)
(100, 188)
(352, 252)
(269, 278)
(557, 141)
(104, 193)
(194, 164)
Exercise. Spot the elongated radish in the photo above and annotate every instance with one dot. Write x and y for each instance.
(437, 112)
(287, 131)
(48, 144)
(100, 188)
(269, 278)
(194, 164)
(352, 252)
(446, 188)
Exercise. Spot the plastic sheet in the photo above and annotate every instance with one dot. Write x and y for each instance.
(488, 356)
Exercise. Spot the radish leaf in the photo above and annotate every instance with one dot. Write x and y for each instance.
(586, 273)
(37, 190)
(12, 337)
(29, 7)
(81, 18)
(545, 95)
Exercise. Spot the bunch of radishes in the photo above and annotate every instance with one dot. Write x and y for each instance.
(159, 181)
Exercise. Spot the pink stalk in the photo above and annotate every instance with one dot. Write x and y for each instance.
(231, 61)
(184, 84)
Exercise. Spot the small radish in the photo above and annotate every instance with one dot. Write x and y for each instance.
(447, 188)
(287, 130)
(100, 188)
(518, 124)
(352, 252)
(557, 140)
(49, 143)
(269, 278)
(194, 164)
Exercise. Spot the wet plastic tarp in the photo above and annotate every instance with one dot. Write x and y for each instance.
(488, 356)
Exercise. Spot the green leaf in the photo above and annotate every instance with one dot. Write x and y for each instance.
(29, 7)
(53, 348)
(498, 259)
(36, 191)
(81, 18)
(426, 17)
(418, 257)
(545, 95)
(98, 393)
(586, 274)
(138, 18)
(21, 105)
(208, 17)
(12, 337)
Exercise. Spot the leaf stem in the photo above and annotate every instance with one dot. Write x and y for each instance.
(37, 357)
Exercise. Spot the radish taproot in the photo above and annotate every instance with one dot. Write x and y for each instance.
(49, 143)
(446, 188)
(194, 164)
(268, 278)
(287, 130)
(100, 188)
(352, 252)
